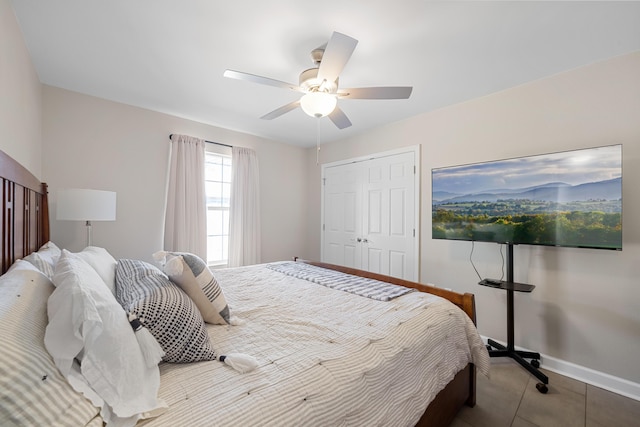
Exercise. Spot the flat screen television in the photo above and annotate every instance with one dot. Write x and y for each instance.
(571, 198)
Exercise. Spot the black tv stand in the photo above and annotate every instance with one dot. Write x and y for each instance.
(499, 350)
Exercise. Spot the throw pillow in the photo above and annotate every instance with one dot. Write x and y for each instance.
(165, 310)
(193, 275)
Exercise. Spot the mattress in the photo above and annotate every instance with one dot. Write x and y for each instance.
(326, 357)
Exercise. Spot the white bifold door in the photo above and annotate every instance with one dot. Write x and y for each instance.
(369, 217)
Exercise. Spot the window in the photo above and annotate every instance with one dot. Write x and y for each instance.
(218, 190)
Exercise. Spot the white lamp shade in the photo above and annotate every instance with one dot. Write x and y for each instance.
(318, 104)
(76, 204)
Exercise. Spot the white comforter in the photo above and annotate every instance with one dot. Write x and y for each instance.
(327, 358)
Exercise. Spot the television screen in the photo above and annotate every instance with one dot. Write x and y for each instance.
(571, 198)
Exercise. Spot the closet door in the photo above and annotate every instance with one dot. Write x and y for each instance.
(342, 215)
(388, 222)
(369, 215)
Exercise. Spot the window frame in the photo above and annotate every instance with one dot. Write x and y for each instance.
(212, 149)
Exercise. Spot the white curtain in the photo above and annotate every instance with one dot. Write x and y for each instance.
(244, 212)
(185, 226)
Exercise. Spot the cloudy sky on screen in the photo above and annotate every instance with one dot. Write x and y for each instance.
(571, 167)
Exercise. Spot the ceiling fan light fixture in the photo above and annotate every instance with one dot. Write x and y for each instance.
(318, 104)
(320, 84)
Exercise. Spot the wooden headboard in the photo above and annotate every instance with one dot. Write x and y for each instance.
(25, 212)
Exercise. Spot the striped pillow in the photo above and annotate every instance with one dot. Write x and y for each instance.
(169, 314)
(40, 263)
(195, 278)
(45, 259)
(32, 390)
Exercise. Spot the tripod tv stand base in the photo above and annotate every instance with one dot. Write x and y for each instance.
(520, 356)
(499, 350)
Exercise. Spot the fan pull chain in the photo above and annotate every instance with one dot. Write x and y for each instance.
(317, 141)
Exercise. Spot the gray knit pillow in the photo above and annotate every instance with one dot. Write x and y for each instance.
(165, 310)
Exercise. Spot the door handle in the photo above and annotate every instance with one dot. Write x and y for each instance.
(358, 240)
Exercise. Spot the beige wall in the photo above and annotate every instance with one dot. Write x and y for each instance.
(586, 305)
(94, 143)
(20, 96)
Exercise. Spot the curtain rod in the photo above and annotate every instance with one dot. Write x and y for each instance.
(210, 142)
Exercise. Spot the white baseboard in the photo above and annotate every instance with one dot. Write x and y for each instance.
(587, 375)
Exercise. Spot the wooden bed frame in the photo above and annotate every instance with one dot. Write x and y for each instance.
(25, 212)
(25, 228)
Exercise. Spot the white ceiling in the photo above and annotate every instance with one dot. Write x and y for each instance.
(169, 56)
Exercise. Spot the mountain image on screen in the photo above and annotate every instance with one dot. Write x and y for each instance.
(561, 199)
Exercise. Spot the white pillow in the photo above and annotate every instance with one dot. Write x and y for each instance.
(87, 323)
(50, 252)
(32, 389)
(103, 263)
(45, 258)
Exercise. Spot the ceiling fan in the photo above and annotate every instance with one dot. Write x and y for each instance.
(320, 84)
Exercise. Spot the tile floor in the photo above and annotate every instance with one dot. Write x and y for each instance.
(510, 399)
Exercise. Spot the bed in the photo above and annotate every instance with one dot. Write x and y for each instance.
(361, 362)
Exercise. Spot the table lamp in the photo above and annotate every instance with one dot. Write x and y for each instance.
(75, 204)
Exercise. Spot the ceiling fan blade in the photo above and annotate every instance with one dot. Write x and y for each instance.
(391, 92)
(260, 80)
(339, 118)
(282, 110)
(336, 55)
